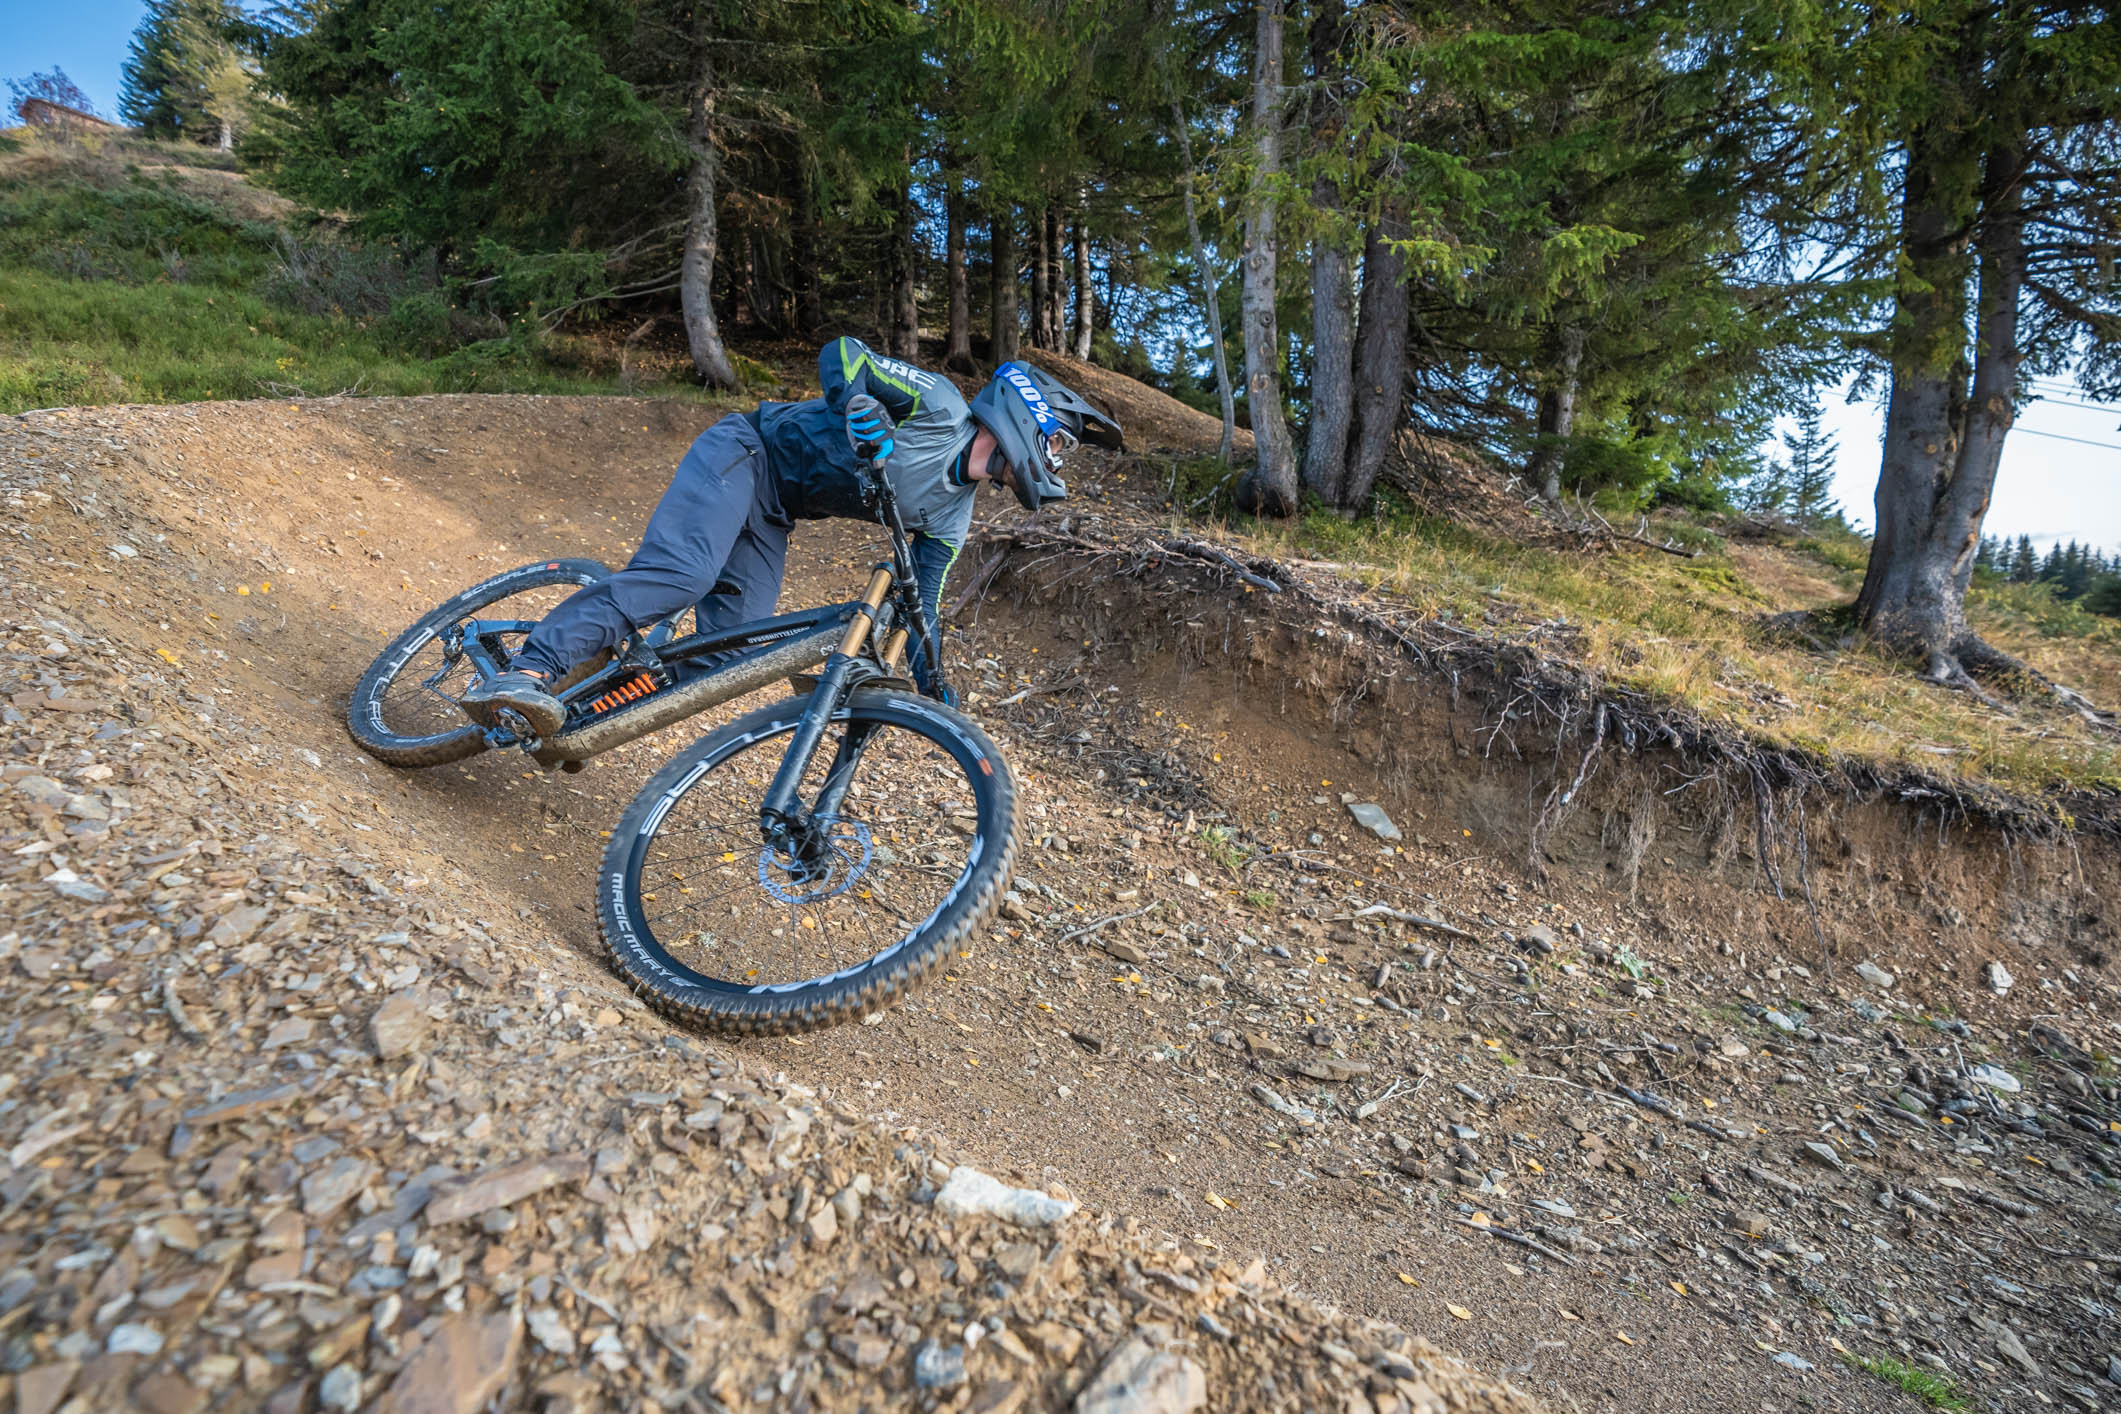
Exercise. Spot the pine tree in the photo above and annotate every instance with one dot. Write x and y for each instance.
(1811, 472)
(1766, 493)
(2025, 566)
(184, 75)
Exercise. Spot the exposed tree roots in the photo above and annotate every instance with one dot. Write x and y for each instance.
(1528, 685)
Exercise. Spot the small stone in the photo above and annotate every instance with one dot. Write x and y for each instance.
(1875, 975)
(39, 1389)
(1780, 1022)
(1330, 1069)
(1014, 909)
(243, 1104)
(168, 1393)
(294, 1031)
(1753, 1223)
(1061, 1343)
(823, 1226)
(548, 1330)
(1140, 1379)
(1372, 817)
(970, 1193)
(235, 926)
(399, 1026)
(1123, 952)
(864, 1352)
(134, 1339)
(938, 1366)
(457, 1369)
(1999, 978)
(1996, 1078)
(998, 1397)
(1794, 1362)
(340, 1389)
(327, 1191)
(1825, 1156)
(505, 1185)
(1541, 939)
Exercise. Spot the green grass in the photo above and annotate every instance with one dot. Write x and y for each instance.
(1937, 1391)
(80, 341)
(1215, 842)
(136, 272)
(1696, 631)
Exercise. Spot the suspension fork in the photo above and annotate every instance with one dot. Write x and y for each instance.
(782, 817)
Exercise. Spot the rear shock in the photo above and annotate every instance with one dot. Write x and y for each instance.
(640, 685)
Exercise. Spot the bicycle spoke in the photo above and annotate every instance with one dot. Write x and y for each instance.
(768, 916)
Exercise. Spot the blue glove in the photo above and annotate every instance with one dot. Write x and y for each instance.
(869, 429)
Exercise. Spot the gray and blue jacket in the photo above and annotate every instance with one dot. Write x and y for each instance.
(815, 469)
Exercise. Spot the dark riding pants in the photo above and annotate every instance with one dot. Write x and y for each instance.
(718, 539)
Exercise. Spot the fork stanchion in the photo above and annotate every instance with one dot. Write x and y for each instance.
(872, 599)
(894, 654)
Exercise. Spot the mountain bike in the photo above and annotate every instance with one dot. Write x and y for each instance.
(807, 863)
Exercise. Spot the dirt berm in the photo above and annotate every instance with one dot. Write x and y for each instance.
(315, 1094)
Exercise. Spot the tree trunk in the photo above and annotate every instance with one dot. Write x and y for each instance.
(1557, 417)
(802, 242)
(904, 337)
(1005, 330)
(1056, 283)
(696, 268)
(1269, 488)
(1325, 467)
(1085, 296)
(1944, 438)
(1040, 337)
(957, 350)
(763, 289)
(1380, 357)
(1210, 300)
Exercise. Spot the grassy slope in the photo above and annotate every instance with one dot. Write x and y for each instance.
(133, 271)
(1694, 630)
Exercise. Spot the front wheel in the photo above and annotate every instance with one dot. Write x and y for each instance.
(403, 711)
(906, 863)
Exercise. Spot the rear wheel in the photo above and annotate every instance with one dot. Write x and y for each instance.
(403, 711)
(716, 928)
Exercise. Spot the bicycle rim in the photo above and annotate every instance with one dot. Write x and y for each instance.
(732, 932)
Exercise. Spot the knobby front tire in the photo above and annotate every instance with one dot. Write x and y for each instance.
(712, 929)
(393, 718)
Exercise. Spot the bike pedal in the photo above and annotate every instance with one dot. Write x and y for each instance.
(513, 722)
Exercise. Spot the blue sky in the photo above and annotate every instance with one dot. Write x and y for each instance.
(84, 37)
(2048, 489)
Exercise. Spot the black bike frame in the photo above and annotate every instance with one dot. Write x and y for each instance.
(893, 606)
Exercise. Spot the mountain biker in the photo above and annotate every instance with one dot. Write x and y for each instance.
(719, 537)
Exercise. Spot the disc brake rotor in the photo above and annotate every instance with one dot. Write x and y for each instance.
(847, 856)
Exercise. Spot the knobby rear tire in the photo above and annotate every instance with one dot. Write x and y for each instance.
(364, 711)
(684, 995)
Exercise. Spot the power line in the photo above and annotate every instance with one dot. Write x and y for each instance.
(2036, 432)
(2072, 403)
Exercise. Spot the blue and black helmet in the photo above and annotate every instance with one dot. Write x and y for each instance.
(1036, 420)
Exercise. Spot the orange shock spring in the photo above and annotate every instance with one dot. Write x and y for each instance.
(633, 689)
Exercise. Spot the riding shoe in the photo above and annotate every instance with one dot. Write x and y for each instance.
(520, 692)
